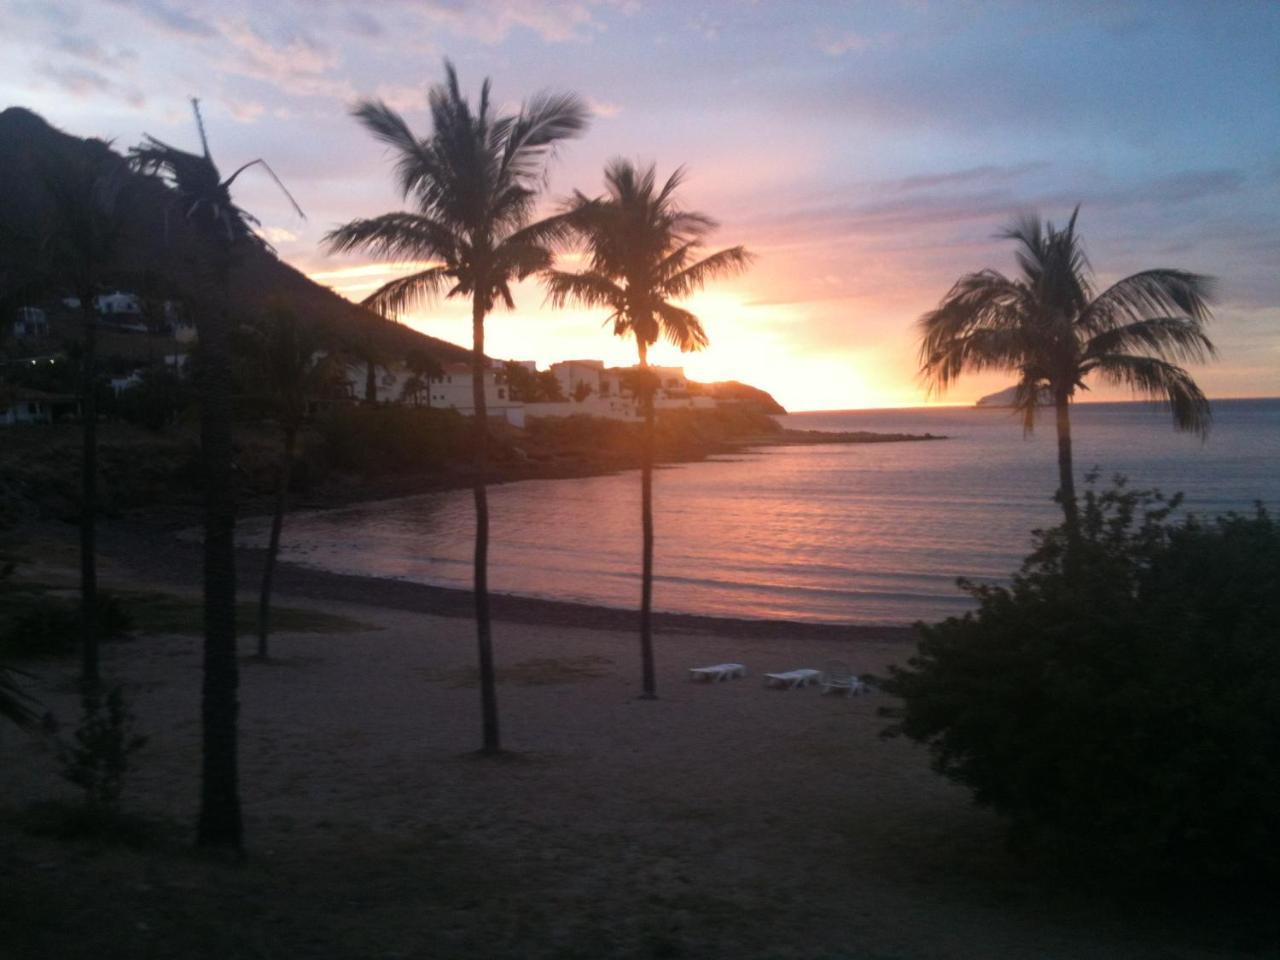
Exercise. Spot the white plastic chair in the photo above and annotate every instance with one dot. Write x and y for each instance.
(790, 679)
(837, 675)
(720, 671)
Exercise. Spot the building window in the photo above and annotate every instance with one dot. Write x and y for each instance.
(502, 394)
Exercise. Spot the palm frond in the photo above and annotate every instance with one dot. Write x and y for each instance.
(403, 293)
(519, 260)
(546, 119)
(587, 289)
(680, 328)
(695, 276)
(986, 300)
(271, 173)
(1160, 292)
(1026, 399)
(1160, 380)
(552, 233)
(1176, 339)
(396, 236)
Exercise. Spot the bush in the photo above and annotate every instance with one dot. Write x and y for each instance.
(159, 400)
(97, 759)
(378, 440)
(1126, 719)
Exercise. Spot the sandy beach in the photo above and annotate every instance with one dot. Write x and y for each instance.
(723, 820)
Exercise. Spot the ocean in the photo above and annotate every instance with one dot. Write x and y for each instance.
(833, 533)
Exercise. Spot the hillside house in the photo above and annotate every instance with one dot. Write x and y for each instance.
(30, 323)
(454, 389)
(578, 375)
(121, 310)
(607, 392)
(19, 405)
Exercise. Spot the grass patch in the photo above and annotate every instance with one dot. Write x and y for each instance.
(167, 613)
(539, 672)
(36, 622)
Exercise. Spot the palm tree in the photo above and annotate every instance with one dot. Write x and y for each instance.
(424, 368)
(474, 182)
(81, 250)
(220, 230)
(290, 369)
(643, 252)
(1050, 327)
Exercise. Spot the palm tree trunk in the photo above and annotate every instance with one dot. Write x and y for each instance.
(1066, 473)
(484, 638)
(646, 526)
(220, 823)
(89, 672)
(273, 545)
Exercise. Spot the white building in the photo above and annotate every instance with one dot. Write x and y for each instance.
(118, 304)
(19, 405)
(120, 384)
(122, 310)
(30, 323)
(453, 388)
(575, 375)
(609, 394)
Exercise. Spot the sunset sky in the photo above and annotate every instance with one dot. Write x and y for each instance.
(868, 153)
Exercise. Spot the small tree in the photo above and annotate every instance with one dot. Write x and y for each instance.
(474, 183)
(424, 368)
(221, 232)
(98, 757)
(1126, 719)
(291, 370)
(644, 253)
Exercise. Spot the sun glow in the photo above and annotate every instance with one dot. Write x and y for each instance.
(757, 343)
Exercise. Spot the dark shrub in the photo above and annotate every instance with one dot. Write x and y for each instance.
(377, 440)
(1127, 720)
(159, 400)
(96, 759)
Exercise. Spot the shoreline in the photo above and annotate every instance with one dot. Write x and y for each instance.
(156, 558)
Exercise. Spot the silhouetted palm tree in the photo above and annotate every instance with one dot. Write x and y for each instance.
(1050, 327)
(473, 183)
(292, 367)
(219, 229)
(85, 228)
(424, 368)
(643, 252)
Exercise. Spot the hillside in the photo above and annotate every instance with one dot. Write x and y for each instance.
(29, 147)
(733, 390)
(1006, 397)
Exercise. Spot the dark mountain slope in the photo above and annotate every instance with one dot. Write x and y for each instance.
(30, 148)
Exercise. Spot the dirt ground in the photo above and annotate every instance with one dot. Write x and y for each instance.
(722, 820)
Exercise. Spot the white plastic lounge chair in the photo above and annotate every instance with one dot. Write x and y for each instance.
(719, 671)
(836, 675)
(790, 679)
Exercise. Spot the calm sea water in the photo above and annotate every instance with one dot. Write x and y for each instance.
(873, 533)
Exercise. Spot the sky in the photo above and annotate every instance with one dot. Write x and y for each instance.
(868, 153)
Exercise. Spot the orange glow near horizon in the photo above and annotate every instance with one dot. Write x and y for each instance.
(749, 342)
(766, 344)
